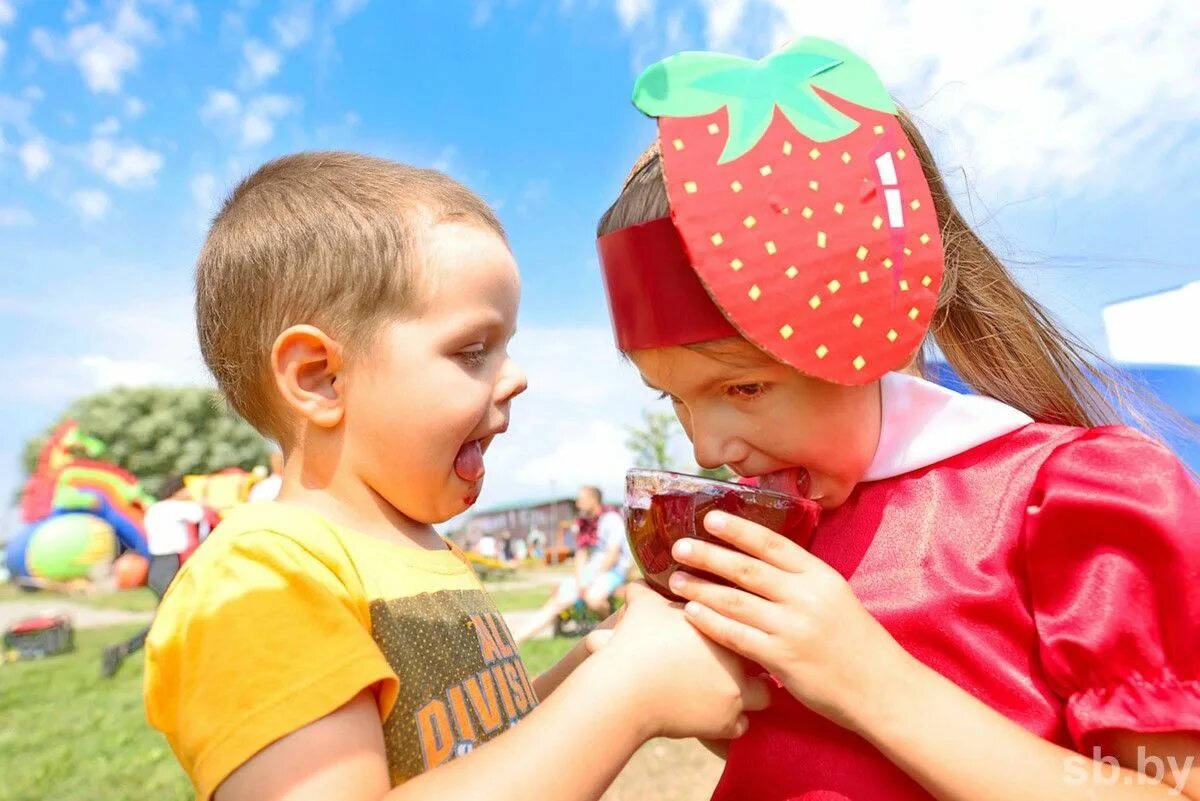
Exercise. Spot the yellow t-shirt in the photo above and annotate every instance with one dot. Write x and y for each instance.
(282, 617)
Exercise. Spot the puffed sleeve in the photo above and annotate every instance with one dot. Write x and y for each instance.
(1112, 546)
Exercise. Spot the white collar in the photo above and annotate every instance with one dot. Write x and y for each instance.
(924, 423)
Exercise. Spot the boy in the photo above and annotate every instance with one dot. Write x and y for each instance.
(330, 645)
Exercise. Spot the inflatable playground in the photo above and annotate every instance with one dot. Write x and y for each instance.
(82, 518)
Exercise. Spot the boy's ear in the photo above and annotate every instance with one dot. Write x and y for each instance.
(307, 365)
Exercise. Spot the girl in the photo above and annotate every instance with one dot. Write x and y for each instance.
(1001, 600)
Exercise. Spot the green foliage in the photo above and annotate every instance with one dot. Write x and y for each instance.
(650, 443)
(721, 473)
(155, 432)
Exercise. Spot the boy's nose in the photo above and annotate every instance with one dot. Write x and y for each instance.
(513, 382)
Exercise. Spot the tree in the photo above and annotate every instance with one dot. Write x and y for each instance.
(650, 443)
(721, 473)
(155, 432)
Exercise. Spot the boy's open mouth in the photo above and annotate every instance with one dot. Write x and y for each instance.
(468, 463)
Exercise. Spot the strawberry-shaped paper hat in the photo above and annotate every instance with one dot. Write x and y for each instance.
(800, 217)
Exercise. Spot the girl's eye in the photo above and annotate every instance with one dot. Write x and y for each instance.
(747, 391)
(668, 396)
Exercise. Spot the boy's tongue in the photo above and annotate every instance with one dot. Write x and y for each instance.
(468, 464)
(792, 481)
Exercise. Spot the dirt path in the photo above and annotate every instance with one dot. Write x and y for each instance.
(668, 770)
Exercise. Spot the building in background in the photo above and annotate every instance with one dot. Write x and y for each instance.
(552, 516)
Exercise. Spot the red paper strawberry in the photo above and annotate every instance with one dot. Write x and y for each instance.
(802, 205)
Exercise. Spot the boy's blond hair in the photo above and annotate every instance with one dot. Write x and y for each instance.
(330, 239)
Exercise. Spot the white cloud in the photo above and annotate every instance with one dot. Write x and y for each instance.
(134, 107)
(1157, 329)
(445, 159)
(103, 52)
(630, 12)
(126, 166)
(481, 13)
(93, 204)
(145, 338)
(253, 122)
(1030, 96)
(294, 26)
(346, 8)
(261, 63)
(220, 104)
(33, 94)
(110, 126)
(104, 371)
(15, 217)
(258, 125)
(534, 193)
(7, 15)
(205, 195)
(36, 158)
(76, 10)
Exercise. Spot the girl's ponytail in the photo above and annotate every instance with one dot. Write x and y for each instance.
(1001, 341)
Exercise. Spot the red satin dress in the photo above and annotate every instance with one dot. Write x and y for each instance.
(1052, 572)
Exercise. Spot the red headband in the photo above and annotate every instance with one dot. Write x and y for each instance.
(655, 297)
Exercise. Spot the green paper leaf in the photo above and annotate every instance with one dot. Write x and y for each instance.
(749, 119)
(693, 84)
(668, 87)
(830, 124)
(853, 79)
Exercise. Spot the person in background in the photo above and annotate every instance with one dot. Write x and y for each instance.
(175, 527)
(268, 488)
(599, 573)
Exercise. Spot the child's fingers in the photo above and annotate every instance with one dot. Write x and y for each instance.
(746, 572)
(731, 602)
(746, 640)
(756, 695)
(597, 639)
(759, 542)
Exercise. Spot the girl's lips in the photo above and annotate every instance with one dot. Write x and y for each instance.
(793, 481)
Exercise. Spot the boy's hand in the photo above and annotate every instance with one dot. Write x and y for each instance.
(791, 613)
(683, 684)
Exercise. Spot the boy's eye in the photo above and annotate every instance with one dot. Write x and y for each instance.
(473, 357)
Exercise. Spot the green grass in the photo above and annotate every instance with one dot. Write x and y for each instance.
(520, 598)
(67, 733)
(541, 654)
(137, 600)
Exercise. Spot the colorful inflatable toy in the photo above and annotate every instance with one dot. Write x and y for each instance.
(80, 513)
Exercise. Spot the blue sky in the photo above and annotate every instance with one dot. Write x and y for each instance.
(122, 123)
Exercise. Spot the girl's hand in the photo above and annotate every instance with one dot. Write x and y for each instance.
(794, 615)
